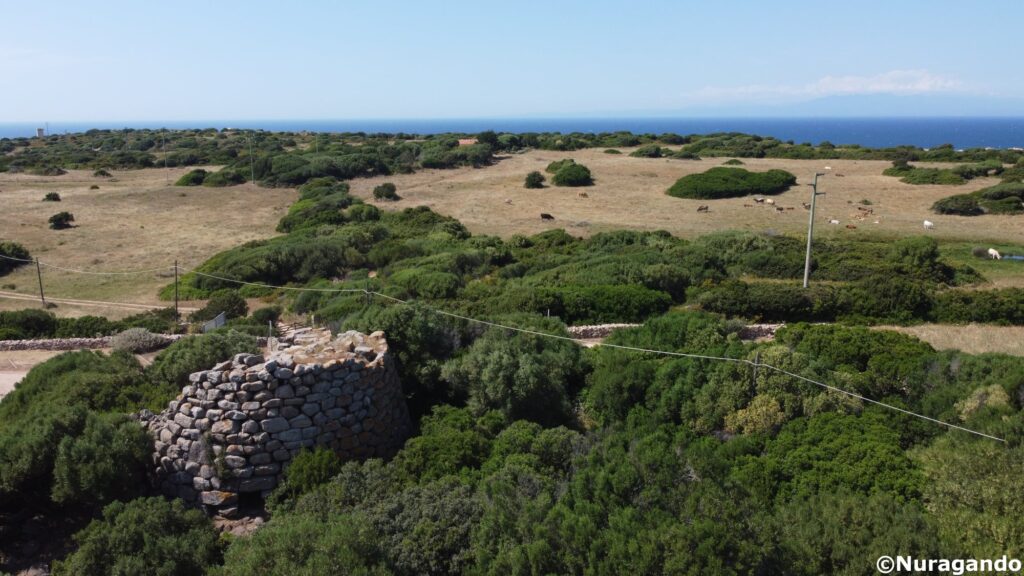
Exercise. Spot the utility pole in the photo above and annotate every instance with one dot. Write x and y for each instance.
(176, 316)
(39, 274)
(810, 228)
(252, 166)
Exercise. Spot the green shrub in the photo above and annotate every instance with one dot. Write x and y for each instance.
(534, 180)
(647, 151)
(12, 250)
(572, 175)
(721, 182)
(223, 178)
(51, 197)
(171, 367)
(53, 402)
(523, 376)
(192, 178)
(307, 544)
(960, 204)
(612, 151)
(733, 162)
(137, 340)
(106, 461)
(308, 470)
(555, 166)
(61, 220)
(263, 316)
(145, 536)
(1002, 306)
(30, 322)
(86, 327)
(227, 301)
(386, 191)
(426, 284)
(1005, 198)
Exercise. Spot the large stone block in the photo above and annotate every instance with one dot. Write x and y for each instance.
(274, 425)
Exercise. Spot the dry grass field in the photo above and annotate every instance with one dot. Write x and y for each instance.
(630, 193)
(138, 220)
(135, 220)
(970, 338)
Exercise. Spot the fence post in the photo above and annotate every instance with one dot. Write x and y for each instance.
(39, 274)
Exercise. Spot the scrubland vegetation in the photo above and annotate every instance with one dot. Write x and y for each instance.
(533, 454)
(722, 182)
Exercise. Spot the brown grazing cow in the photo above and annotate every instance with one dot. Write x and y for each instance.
(546, 216)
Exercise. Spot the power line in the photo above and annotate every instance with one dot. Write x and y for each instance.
(755, 364)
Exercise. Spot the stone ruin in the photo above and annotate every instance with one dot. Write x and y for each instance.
(234, 428)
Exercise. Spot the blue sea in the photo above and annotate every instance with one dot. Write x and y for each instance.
(873, 132)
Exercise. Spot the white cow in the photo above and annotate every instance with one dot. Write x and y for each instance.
(769, 201)
(929, 225)
(833, 221)
(994, 254)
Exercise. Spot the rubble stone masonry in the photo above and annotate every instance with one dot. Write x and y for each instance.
(235, 427)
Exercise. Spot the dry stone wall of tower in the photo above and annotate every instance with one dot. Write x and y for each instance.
(235, 427)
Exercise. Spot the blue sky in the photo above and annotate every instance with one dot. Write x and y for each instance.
(185, 60)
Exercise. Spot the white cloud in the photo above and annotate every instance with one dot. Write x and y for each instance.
(892, 82)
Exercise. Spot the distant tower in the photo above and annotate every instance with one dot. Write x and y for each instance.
(40, 132)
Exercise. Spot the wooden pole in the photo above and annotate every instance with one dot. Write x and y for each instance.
(39, 274)
(176, 316)
(757, 363)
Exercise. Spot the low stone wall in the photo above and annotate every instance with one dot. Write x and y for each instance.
(82, 343)
(235, 427)
(597, 330)
(759, 331)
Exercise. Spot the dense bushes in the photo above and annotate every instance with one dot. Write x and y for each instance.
(226, 301)
(648, 151)
(137, 340)
(53, 403)
(192, 178)
(1002, 306)
(51, 197)
(33, 323)
(1005, 198)
(572, 175)
(144, 536)
(171, 368)
(106, 461)
(721, 182)
(9, 250)
(523, 376)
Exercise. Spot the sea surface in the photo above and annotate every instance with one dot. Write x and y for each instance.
(873, 132)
